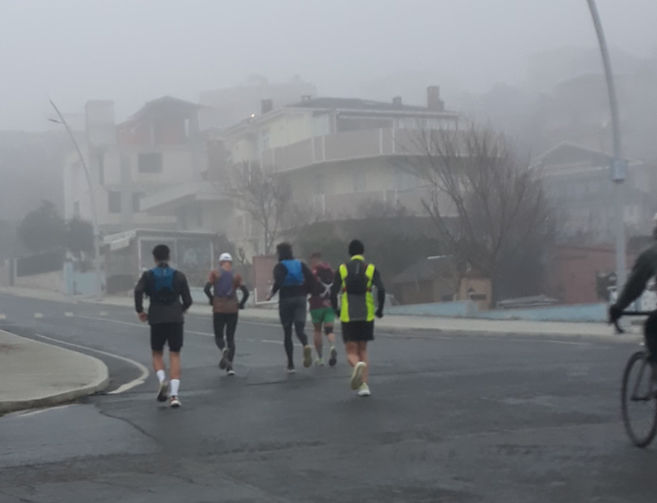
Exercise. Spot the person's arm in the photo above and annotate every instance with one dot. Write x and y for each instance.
(309, 278)
(245, 295)
(185, 294)
(380, 291)
(644, 268)
(140, 288)
(279, 276)
(335, 289)
(207, 289)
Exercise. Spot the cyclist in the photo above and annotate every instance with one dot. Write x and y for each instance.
(644, 268)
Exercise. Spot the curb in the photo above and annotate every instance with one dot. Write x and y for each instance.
(100, 384)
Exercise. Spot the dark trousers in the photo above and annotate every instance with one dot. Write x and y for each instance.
(227, 321)
(650, 334)
(292, 311)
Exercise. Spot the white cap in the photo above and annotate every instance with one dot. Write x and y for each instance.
(225, 257)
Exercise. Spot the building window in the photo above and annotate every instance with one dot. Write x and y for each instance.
(136, 199)
(150, 162)
(101, 168)
(360, 181)
(114, 201)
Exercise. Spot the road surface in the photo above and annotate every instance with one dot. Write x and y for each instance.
(451, 419)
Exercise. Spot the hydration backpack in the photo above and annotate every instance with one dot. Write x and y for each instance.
(162, 289)
(294, 275)
(356, 280)
(224, 285)
(324, 275)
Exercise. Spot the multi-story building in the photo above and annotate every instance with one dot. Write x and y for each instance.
(158, 148)
(578, 182)
(340, 153)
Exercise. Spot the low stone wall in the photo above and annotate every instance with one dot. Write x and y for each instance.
(51, 281)
(467, 309)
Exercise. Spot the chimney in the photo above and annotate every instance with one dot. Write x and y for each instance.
(266, 106)
(397, 101)
(433, 99)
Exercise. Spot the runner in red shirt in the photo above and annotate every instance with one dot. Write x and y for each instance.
(321, 311)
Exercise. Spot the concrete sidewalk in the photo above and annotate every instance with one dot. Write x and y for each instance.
(396, 323)
(35, 374)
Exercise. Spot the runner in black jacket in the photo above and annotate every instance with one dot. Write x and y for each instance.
(169, 300)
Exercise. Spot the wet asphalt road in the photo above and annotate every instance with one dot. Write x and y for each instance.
(451, 419)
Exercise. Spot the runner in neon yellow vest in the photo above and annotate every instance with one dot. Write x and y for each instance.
(354, 282)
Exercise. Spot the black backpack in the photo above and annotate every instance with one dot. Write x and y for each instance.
(356, 281)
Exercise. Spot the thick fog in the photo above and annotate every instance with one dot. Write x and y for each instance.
(131, 52)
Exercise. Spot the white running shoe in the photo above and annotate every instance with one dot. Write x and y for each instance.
(291, 370)
(357, 375)
(307, 356)
(174, 402)
(230, 372)
(319, 362)
(364, 390)
(163, 391)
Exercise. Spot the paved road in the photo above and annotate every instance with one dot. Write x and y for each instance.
(452, 418)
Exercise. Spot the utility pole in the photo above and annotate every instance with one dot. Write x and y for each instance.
(92, 201)
(619, 164)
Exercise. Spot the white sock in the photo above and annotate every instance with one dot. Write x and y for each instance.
(174, 385)
(161, 376)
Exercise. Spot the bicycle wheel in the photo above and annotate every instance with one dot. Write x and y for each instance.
(638, 401)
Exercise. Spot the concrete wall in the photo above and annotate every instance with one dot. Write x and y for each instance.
(468, 309)
(51, 281)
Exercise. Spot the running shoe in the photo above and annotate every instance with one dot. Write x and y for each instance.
(364, 390)
(174, 402)
(163, 391)
(291, 370)
(357, 375)
(223, 363)
(307, 356)
(319, 362)
(334, 357)
(230, 371)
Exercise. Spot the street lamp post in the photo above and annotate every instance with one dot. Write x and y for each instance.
(618, 167)
(92, 200)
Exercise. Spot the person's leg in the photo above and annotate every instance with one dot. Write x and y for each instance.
(317, 339)
(362, 356)
(218, 322)
(286, 313)
(300, 329)
(650, 336)
(329, 320)
(231, 328)
(175, 346)
(353, 356)
(158, 339)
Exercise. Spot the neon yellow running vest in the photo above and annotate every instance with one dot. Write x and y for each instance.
(357, 307)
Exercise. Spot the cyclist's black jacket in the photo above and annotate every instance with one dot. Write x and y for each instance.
(644, 268)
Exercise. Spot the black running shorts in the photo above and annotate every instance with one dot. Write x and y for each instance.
(169, 333)
(356, 331)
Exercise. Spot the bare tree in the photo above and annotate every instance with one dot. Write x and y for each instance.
(264, 196)
(489, 209)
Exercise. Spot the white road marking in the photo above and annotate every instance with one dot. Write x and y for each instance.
(268, 341)
(102, 313)
(68, 314)
(124, 387)
(38, 315)
(34, 412)
(3, 316)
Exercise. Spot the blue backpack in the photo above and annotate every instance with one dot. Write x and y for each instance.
(294, 273)
(162, 291)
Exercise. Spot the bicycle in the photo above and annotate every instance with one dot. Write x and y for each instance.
(639, 394)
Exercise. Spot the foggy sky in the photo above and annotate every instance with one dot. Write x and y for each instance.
(132, 51)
